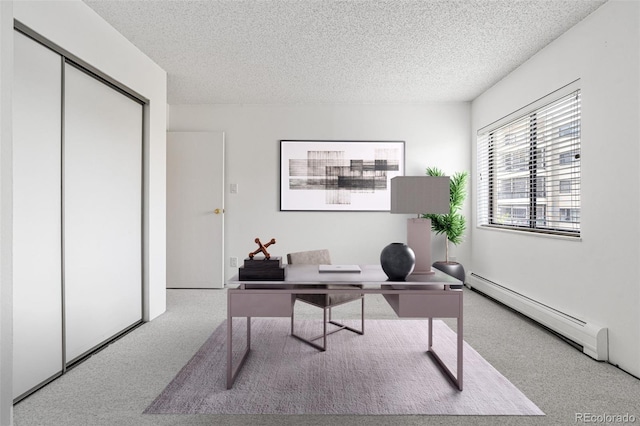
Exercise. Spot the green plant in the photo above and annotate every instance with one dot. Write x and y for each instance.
(452, 224)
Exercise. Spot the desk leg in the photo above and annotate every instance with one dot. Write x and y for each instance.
(248, 333)
(460, 343)
(229, 342)
(460, 346)
(231, 372)
(229, 350)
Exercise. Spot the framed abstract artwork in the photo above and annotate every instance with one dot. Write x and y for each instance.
(317, 175)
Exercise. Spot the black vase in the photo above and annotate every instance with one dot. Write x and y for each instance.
(454, 269)
(398, 261)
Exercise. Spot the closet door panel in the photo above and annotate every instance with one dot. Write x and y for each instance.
(37, 286)
(102, 168)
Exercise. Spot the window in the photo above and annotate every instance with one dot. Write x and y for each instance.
(568, 157)
(529, 169)
(569, 215)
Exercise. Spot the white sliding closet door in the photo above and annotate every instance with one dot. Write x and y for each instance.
(102, 200)
(37, 286)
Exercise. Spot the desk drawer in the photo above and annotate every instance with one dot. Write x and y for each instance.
(265, 304)
(425, 305)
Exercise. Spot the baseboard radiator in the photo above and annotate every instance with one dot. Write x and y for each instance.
(591, 337)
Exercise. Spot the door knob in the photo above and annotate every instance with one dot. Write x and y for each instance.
(218, 211)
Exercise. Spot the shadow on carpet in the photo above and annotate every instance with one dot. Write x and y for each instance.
(387, 371)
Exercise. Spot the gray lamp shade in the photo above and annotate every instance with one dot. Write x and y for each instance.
(420, 194)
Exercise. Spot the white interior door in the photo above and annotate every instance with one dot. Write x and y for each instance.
(37, 270)
(102, 201)
(195, 191)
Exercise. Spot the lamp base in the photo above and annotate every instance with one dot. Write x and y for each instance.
(419, 239)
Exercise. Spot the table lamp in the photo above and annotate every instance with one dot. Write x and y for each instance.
(420, 195)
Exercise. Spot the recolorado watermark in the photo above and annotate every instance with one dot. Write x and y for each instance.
(604, 418)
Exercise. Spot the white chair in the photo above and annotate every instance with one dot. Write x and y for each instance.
(324, 301)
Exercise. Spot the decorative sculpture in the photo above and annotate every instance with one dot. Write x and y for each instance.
(269, 268)
(262, 248)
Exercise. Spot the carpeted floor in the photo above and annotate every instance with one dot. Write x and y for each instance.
(116, 385)
(385, 372)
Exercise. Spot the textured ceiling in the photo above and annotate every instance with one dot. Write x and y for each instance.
(338, 51)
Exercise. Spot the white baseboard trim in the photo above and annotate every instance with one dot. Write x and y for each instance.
(593, 338)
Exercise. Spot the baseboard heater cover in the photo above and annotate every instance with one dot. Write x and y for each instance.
(591, 337)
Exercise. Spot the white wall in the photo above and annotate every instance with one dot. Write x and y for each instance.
(435, 135)
(596, 279)
(79, 30)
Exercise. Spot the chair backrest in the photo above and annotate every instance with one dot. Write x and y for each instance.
(311, 257)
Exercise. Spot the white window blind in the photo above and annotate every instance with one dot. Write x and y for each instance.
(529, 170)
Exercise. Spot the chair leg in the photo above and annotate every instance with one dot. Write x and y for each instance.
(310, 341)
(324, 327)
(326, 320)
(346, 327)
(362, 315)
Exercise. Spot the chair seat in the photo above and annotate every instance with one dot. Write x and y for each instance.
(334, 299)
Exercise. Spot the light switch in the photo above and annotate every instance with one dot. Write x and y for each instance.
(233, 188)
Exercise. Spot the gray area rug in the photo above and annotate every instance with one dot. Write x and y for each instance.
(386, 371)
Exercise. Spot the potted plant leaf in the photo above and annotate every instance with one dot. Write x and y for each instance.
(452, 224)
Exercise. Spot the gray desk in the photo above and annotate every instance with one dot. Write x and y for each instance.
(421, 296)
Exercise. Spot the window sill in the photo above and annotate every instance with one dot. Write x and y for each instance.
(530, 234)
